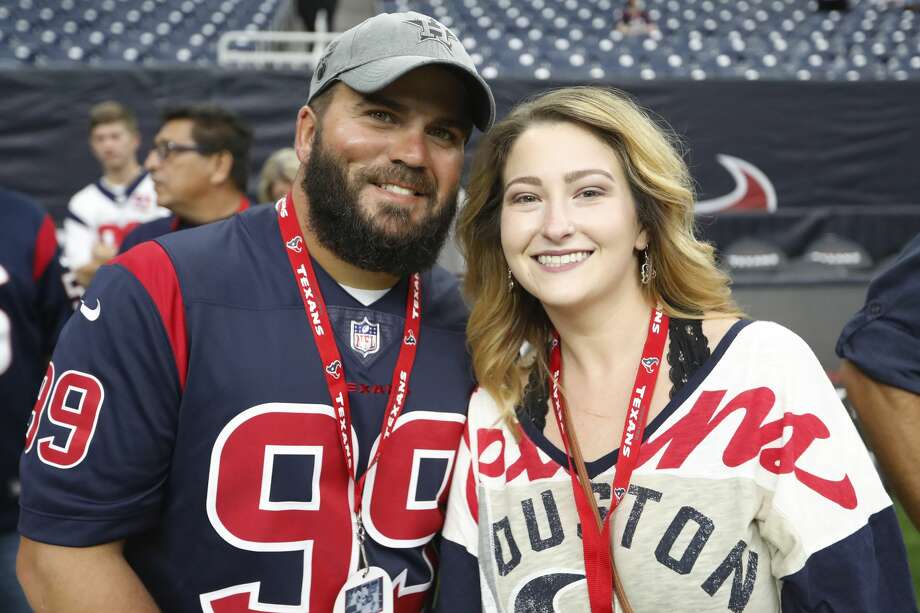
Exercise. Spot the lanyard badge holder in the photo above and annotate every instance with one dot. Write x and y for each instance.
(369, 589)
(600, 572)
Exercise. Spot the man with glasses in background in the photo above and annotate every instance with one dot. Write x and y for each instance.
(199, 164)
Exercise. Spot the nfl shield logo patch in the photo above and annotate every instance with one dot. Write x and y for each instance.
(365, 337)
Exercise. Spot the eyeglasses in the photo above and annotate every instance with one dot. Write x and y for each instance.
(166, 148)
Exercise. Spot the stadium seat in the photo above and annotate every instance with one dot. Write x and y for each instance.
(748, 39)
(753, 259)
(762, 39)
(62, 32)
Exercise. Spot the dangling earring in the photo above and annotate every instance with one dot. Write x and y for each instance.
(647, 271)
(510, 281)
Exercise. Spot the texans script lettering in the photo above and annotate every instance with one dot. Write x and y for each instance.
(750, 439)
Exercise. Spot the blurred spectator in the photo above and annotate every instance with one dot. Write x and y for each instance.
(277, 175)
(309, 10)
(833, 5)
(635, 20)
(33, 307)
(100, 214)
(199, 163)
(881, 372)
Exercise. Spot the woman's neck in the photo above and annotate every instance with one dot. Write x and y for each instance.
(604, 333)
(601, 349)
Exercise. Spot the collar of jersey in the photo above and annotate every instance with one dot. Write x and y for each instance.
(606, 462)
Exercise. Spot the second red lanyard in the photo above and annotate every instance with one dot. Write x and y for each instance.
(596, 541)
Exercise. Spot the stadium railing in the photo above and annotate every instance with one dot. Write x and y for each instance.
(239, 48)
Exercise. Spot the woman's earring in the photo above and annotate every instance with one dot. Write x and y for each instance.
(510, 281)
(647, 271)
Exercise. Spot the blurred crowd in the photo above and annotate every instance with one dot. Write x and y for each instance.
(195, 172)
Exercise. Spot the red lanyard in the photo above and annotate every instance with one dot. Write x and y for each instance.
(318, 318)
(596, 539)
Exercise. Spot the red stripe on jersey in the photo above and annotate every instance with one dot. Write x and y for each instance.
(45, 248)
(472, 497)
(153, 268)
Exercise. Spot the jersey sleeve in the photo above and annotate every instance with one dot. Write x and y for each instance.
(883, 338)
(54, 287)
(101, 436)
(132, 239)
(837, 539)
(458, 578)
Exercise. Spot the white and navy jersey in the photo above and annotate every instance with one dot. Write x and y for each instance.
(164, 225)
(753, 492)
(100, 213)
(151, 230)
(190, 415)
(33, 307)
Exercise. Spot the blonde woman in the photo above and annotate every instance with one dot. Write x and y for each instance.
(736, 478)
(277, 175)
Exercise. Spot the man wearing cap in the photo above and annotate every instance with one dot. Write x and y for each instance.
(261, 414)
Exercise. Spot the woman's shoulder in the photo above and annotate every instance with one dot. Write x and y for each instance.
(716, 326)
(767, 339)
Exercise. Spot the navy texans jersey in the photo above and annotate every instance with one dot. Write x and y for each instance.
(190, 416)
(33, 307)
(159, 227)
(150, 231)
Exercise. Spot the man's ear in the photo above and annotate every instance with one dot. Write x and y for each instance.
(223, 166)
(307, 125)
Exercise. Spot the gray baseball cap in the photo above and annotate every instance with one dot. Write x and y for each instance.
(379, 50)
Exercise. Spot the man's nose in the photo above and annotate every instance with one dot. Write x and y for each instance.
(410, 147)
(152, 161)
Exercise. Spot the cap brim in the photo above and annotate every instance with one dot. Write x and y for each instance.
(377, 74)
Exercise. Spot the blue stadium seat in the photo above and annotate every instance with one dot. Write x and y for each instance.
(151, 32)
(764, 39)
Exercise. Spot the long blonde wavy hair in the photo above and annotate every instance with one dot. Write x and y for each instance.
(687, 284)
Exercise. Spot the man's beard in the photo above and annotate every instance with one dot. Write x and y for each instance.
(336, 218)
